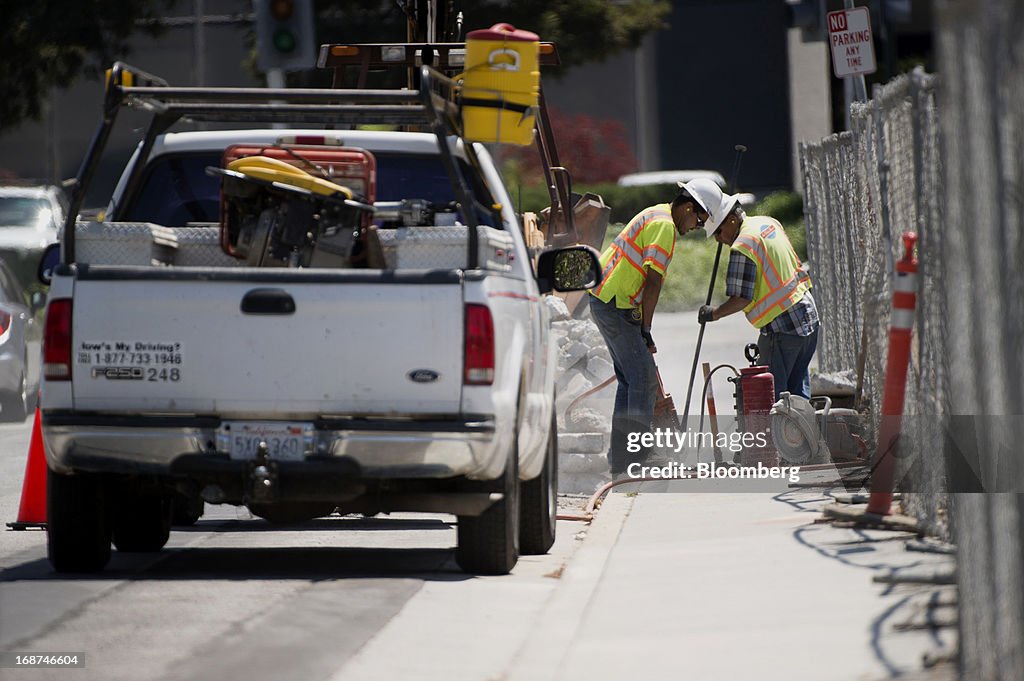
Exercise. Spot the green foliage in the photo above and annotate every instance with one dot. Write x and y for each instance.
(686, 286)
(583, 30)
(49, 44)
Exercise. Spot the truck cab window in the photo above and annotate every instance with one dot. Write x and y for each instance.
(176, 190)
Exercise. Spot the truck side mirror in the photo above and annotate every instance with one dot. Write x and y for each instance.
(574, 268)
(47, 263)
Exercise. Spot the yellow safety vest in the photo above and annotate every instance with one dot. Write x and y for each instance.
(781, 280)
(648, 241)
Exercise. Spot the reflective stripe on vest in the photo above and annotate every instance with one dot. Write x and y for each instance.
(624, 251)
(781, 279)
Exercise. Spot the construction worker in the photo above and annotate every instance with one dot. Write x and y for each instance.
(766, 280)
(622, 305)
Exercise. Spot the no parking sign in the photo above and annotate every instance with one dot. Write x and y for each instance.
(849, 35)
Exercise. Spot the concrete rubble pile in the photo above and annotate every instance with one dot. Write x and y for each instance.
(583, 362)
(840, 383)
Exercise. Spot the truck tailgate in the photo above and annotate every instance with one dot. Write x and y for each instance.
(234, 346)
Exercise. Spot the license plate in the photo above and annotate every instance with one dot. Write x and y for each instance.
(285, 441)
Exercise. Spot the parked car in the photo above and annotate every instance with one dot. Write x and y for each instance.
(20, 338)
(30, 217)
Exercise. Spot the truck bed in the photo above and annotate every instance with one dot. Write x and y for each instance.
(296, 348)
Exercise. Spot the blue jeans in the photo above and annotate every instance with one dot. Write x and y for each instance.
(636, 374)
(788, 356)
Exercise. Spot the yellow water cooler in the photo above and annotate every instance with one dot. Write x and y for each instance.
(501, 85)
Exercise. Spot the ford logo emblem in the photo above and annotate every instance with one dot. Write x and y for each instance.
(423, 376)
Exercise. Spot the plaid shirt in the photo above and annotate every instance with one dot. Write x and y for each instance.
(799, 320)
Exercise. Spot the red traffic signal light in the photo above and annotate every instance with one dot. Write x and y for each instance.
(282, 10)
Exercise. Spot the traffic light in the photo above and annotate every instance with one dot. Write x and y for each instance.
(284, 34)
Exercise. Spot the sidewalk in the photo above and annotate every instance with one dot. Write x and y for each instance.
(739, 586)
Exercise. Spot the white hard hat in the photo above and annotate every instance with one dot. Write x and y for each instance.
(706, 193)
(719, 214)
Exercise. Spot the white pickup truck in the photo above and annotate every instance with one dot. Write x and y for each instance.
(188, 358)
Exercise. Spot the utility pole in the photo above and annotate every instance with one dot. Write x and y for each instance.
(199, 46)
(428, 21)
(854, 87)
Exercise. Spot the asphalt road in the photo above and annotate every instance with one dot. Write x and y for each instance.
(236, 597)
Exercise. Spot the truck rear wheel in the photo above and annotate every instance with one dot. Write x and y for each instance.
(488, 544)
(141, 523)
(538, 502)
(186, 509)
(77, 525)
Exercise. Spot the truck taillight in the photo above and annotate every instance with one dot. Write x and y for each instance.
(57, 341)
(479, 346)
(5, 322)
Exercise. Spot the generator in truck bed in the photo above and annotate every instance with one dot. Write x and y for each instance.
(300, 319)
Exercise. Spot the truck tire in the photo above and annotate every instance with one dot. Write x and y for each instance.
(141, 523)
(538, 502)
(488, 544)
(186, 509)
(77, 523)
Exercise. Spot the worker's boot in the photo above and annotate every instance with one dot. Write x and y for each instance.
(618, 456)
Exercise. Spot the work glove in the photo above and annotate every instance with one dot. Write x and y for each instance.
(705, 314)
(648, 338)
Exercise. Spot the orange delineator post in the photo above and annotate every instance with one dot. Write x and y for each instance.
(32, 512)
(904, 302)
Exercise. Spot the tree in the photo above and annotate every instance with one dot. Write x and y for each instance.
(584, 30)
(50, 44)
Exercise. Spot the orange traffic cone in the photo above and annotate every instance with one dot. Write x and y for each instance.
(32, 512)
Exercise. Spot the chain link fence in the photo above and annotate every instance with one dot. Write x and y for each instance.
(862, 190)
(981, 102)
(943, 157)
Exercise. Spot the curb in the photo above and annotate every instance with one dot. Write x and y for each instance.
(543, 654)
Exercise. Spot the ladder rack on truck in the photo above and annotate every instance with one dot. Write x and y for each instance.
(434, 105)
